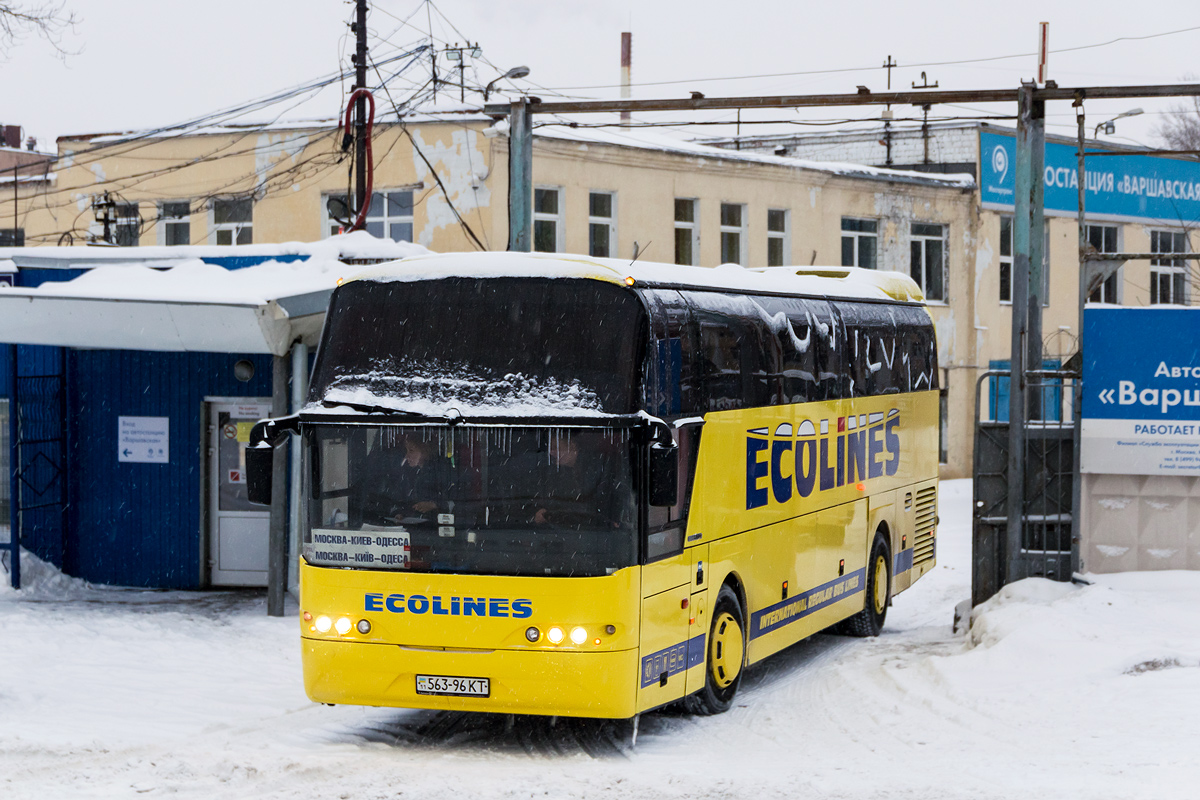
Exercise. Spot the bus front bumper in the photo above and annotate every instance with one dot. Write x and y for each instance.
(596, 684)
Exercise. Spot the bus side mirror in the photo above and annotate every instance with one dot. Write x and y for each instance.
(260, 464)
(265, 436)
(664, 475)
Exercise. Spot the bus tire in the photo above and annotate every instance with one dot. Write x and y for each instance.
(869, 621)
(725, 656)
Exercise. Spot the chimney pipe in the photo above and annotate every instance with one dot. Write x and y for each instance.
(31, 143)
(626, 67)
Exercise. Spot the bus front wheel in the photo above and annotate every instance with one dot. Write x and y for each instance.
(726, 655)
(869, 621)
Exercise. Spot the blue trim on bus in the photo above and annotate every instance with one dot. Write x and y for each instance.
(903, 561)
(672, 660)
(795, 608)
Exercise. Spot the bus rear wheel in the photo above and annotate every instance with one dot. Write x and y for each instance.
(869, 621)
(726, 655)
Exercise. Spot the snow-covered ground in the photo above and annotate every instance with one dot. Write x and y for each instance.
(1058, 691)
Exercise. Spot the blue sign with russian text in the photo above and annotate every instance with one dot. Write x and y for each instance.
(1141, 391)
(1165, 190)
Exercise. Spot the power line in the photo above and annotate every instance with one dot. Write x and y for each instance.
(871, 69)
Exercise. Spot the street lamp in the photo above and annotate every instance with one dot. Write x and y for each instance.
(1109, 127)
(515, 72)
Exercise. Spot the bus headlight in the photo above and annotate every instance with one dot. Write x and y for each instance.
(364, 626)
(554, 635)
(342, 626)
(532, 634)
(578, 635)
(324, 623)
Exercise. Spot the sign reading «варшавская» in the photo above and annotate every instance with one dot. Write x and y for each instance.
(1141, 391)
(1135, 187)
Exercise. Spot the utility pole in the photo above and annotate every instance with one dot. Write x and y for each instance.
(360, 108)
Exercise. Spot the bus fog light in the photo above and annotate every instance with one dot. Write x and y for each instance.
(364, 626)
(610, 629)
(578, 635)
(342, 626)
(554, 635)
(532, 634)
(324, 623)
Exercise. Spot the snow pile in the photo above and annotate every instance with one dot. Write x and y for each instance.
(40, 581)
(430, 392)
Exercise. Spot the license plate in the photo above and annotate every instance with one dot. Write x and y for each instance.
(446, 684)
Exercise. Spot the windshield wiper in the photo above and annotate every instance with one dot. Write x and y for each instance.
(377, 409)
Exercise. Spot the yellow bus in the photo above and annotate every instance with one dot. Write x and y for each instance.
(560, 485)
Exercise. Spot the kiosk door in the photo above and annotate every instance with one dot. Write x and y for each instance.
(238, 530)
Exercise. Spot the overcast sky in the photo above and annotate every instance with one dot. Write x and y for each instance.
(139, 64)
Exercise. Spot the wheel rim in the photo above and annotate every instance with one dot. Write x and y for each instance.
(726, 651)
(880, 584)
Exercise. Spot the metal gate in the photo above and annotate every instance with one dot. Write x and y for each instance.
(39, 482)
(1048, 546)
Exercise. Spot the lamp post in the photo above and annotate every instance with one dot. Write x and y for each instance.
(515, 72)
(1109, 127)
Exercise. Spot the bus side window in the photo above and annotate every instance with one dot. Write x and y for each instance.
(828, 344)
(671, 381)
(666, 525)
(721, 361)
(761, 357)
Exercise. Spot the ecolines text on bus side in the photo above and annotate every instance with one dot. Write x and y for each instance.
(820, 456)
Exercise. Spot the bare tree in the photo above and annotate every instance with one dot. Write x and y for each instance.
(47, 18)
(1180, 128)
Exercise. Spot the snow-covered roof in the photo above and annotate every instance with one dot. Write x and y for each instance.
(358, 245)
(193, 305)
(661, 141)
(848, 282)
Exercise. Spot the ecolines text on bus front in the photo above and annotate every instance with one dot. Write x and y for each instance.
(820, 456)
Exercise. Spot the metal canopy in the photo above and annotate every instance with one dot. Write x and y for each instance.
(44, 316)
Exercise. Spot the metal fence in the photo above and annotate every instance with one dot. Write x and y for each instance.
(1047, 546)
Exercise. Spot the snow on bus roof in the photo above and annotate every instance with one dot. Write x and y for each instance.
(846, 282)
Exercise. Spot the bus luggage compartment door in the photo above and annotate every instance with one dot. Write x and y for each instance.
(664, 634)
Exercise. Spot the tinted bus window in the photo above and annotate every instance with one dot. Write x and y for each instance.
(671, 380)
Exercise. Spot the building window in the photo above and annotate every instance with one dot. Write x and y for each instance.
(389, 217)
(1006, 262)
(547, 220)
(777, 237)
(602, 224)
(928, 264)
(1167, 274)
(1104, 239)
(12, 237)
(687, 232)
(175, 218)
(127, 227)
(1006, 259)
(232, 221)
(860, 238)
(733, 233)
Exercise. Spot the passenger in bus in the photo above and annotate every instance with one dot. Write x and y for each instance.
(405, 488)
(572, 493)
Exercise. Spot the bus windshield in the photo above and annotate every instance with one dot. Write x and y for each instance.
(553, 501)
(500, 345)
